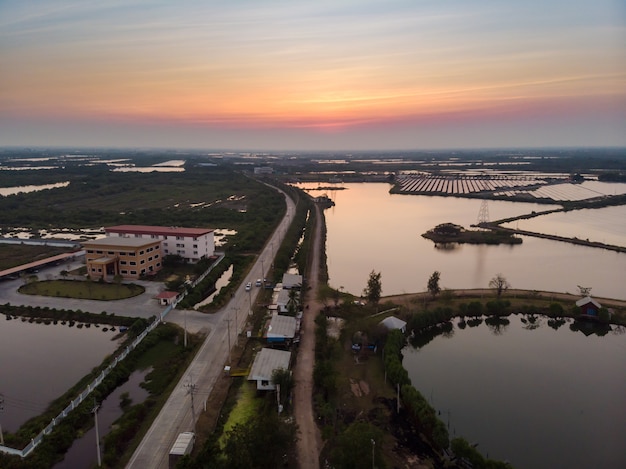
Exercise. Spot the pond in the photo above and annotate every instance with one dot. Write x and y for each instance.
(82, 453)
(536, 394)
(371, 229)
(33, 354)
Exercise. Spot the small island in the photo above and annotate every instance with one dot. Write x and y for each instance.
(451, 233)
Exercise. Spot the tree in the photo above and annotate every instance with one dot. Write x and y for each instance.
(433, 284)
(284, 379)
(500, 284)
(293, 303)
(374, 288)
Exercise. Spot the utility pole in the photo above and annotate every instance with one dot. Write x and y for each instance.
(373, 450)
(1, 409)
(228, 322)
(95, 414)
(262, 272)
(191, 389)
(185, 321)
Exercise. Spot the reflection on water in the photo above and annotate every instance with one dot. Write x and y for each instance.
(25, 189)
(528, 390)
(40, 363)
(370, 229)
(82, 453)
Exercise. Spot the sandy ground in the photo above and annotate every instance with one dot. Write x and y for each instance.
(309, 437)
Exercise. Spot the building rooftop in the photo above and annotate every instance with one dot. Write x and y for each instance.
(281, 327)
(266, 361)
(158, 230)
(166, 295)
(586, 300)
(115, 241)
(292, 280)
(393, 322)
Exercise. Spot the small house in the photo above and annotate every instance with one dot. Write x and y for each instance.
(391, 323)
(167, 297)
(265, 363)
(281, 329)
(291, 281)
(589, 307)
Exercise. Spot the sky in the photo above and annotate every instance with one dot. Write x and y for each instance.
(313, 75)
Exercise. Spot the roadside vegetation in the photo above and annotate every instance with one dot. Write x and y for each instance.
(359, 374)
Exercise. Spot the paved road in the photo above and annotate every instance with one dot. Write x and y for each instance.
(309, 438)
(176, 415)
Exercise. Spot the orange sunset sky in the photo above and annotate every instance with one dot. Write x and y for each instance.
(313, 75)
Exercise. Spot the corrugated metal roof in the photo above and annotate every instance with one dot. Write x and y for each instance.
(266, 361)
(281, 326)
(393, 322)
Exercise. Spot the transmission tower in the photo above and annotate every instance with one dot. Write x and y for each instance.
(483, 213)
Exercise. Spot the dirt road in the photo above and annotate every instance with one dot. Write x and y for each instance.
(309, 438)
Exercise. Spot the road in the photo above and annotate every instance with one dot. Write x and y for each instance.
(177, 416)
(309, 438)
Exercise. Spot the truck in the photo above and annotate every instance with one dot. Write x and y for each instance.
(182, 446)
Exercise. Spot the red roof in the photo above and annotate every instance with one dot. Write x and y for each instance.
(158, 230)
(166, 295)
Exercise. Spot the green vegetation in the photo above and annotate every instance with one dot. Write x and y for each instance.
(86, 289)
(246, 407)
(450, 233)
(374, 288)
(215, 197)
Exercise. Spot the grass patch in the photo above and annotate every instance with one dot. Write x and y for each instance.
(82, 289)
(246, 407)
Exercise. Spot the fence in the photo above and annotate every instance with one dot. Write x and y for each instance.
(91, 386)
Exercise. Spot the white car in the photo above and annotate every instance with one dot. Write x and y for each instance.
(248, 286)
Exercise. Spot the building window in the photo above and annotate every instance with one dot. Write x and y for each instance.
(122, 253)
(124, 271)
(143, 271)
(133, 272)
(149, 259)
(122, 262)
(133, 263)
(98, 252)
(141, 253)
(180, 237)
(195, 246)
(166, 251)
(195, 252)
(132, 253)
(137, 235)
(156, 256)
(143, 261)
(158, 264)
(180, 245)
(153, 236)
(110, 253)
(90, 251)
(265, 382)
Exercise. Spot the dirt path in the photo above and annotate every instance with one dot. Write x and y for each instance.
(511, 293)
(309, 438)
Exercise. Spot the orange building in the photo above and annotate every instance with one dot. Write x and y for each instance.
(129, 257)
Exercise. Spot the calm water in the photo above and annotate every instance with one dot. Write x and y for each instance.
(40, 363)
(370, 229)
(83, 452)
(539, 398)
